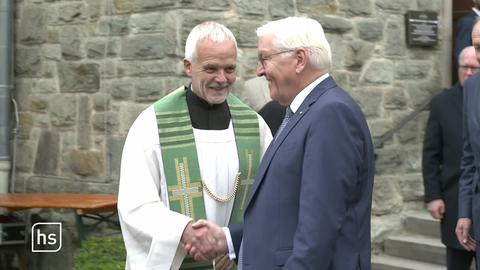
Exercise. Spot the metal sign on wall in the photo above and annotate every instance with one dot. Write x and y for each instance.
(422, 28)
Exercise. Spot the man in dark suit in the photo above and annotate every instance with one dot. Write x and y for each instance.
(469, 188)
(442, 152)
(310, 204)
(463, 36)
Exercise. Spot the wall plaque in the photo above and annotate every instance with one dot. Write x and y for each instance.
(422, 28)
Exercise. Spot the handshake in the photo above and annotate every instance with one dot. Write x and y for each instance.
(206, 241)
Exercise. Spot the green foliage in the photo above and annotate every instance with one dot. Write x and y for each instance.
(101, 253)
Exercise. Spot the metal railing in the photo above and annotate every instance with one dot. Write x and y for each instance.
(389, 134)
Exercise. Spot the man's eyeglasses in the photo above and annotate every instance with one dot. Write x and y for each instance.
(473, 68)
(263, 58)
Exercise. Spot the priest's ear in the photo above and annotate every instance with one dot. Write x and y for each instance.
(187, 66)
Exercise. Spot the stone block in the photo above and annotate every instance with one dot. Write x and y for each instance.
(122, 89)
(338, 46)
(395, 44)
(53, 35)
(49, 69)
(100, 102)
(172, 83)
(370, 29)
(369, 100)
(52, 52)
(411, 187)
(317, 7)
(113, 25)
(114, 154)
(87, 163)
(150, 68)
(251, 7)
(430, 5)
(25, 126)
(357, 53)
(79, 77)
(394, 5)
(212, 5)
(48, 150)
(23, 90)
(154, 22)
(413, 158)
(390, 160)
(108, 69)
(63, 110)
(105, 121)
(379, 71)
(25, 156)
(33, 25)
(357, 7)
(84, 128)
(94, 8)
(341, 78)
(39, 103)
(386, 197)
(412, 69)
(384, 226)
(334, 24)
(27, 62)
(395, 99)
(44, 86)
(102, 47)
(420, 91)
(148, 90)
(70, 40)
(142, 5)
(408, 133)
(73, 12)
(281, 9)
(123, 6)
(147, 47)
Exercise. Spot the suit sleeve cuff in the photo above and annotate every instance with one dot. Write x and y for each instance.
(231, 250)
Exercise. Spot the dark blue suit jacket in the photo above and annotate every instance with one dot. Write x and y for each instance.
(310, 205)
(442, 153)
(469, 193)
(463, 33)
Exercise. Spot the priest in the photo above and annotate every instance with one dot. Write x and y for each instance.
(191, 155)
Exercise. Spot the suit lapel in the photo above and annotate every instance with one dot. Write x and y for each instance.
(318, 91)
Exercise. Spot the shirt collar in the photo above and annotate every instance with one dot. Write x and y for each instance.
(476, 11)
(300, 97)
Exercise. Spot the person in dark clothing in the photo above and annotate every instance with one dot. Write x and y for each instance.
(273, 113)
(442, 152)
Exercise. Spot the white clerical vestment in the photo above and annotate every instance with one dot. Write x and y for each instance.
(150, 230)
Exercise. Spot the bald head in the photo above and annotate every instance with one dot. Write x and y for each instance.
(476, 37)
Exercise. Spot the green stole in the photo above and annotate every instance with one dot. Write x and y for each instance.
(180, 160)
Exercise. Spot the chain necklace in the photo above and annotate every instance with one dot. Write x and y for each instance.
(229, 196)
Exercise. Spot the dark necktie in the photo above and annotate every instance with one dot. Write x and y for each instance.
(288, 116)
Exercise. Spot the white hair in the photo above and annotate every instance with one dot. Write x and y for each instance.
(462, 54)
(297, 32)
(209, 30)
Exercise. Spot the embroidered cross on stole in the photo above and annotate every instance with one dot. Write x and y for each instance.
(180, 160)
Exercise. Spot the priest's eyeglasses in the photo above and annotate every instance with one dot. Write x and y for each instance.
(263, 58)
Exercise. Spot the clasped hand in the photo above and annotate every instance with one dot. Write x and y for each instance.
(204, 240)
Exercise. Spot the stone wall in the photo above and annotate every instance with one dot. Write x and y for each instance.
(84, 69)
